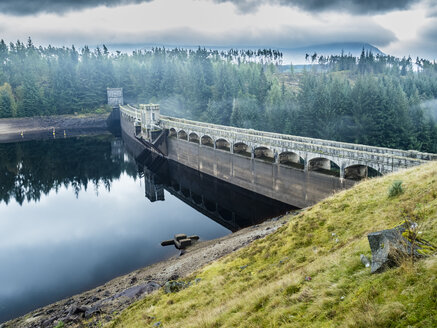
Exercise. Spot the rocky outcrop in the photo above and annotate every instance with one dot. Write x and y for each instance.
(392, 246)
(137, 291)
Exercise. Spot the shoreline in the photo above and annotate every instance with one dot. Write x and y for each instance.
(42, 127)
(101, 303)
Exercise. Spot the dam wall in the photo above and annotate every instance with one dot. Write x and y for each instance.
(290, 185)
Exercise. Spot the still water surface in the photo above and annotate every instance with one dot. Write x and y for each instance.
(67, 225)
(73, 215)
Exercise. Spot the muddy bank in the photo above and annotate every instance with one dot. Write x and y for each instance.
(102, 303)
(42, 127)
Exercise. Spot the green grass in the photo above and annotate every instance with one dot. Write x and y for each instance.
(60, 325)
(395, 189)
(323, 242)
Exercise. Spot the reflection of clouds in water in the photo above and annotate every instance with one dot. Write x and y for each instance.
(62, 245)
(73, 265)
(47, 220)
(109, 212)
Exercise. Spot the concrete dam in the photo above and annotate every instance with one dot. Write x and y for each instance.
(295, 170)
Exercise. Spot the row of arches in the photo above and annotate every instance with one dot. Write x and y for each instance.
(291, 159)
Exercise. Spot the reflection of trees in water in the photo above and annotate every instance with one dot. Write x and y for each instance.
(31, 169)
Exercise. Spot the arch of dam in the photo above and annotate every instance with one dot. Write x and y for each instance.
(296, 170)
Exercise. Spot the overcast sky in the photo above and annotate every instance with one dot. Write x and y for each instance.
(397, 27)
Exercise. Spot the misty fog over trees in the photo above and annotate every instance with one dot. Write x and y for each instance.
(374, 100)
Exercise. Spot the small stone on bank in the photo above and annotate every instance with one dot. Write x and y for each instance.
(365, 260)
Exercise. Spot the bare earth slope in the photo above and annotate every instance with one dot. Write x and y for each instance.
(27, 128)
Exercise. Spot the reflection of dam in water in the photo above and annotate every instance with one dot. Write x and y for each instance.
(84, 198)
(231, 206)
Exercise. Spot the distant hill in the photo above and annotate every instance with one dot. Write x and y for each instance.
(297, 55)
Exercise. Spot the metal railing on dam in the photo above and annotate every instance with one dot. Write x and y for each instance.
(295, 170)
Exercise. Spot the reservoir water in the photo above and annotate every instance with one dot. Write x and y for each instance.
(76, 212)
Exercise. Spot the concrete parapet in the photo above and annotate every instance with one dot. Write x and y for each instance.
(336, 144)
(352, 159)
(344, 155)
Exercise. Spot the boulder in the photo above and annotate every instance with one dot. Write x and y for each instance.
(75, 310)
(92, 311)
(46, 323)
(392, 246)
(137, 291)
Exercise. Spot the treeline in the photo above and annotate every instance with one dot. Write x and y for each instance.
(47, 81)
(373, 110)
(368, 62)
(243, 88)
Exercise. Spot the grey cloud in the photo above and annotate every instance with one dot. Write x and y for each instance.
(285, 37)
(429, 33)
(423, 45)
(351, 6)
(26, 7)
(431, 9)
(293, 36)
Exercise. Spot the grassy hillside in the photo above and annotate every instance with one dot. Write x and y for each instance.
(267, 284)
